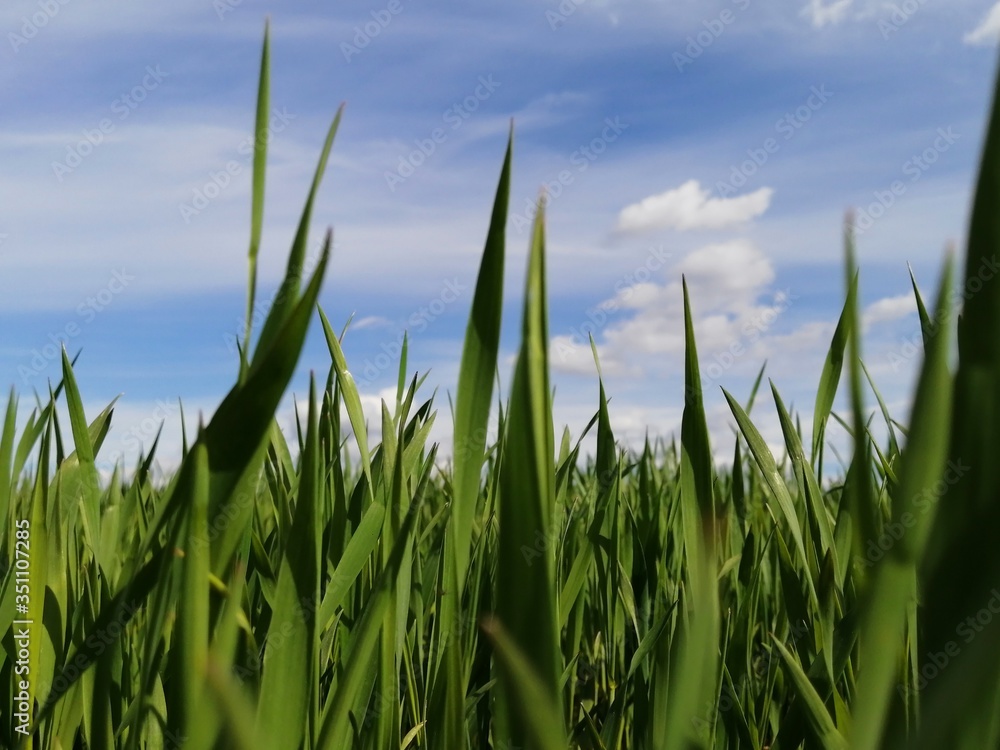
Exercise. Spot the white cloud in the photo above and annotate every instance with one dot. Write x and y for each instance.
(371, 321)
(889, 309)
(822, 12)
(726, 283)
(988, 30)
(691, 207)
(728, 267)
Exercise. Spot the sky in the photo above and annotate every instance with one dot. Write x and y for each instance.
(721, 141)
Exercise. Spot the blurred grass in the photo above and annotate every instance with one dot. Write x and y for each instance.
(522, 595)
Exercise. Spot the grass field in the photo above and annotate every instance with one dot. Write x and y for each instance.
(332, 593)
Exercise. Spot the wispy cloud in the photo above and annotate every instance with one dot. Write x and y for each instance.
(823, 12)
(988, 30)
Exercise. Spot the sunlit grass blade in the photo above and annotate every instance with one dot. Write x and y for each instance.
(475, 381)
(89, 481)
(927, 326)
(352, 398)
(472, 411)
(526, 598)
(826, 392)
(260, 140)
(288, 293)
(695, 657)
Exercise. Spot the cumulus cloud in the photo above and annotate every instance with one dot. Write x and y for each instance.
(823, 12)
(988, 30)
(728, 284)
(691, 207)
(888, 309)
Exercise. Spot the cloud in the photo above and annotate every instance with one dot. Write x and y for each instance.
(988, 30)
(371, 321)
(822, 12)
(690, 207)
(889, 309)
(726, 283)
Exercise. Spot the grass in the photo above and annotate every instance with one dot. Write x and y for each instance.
(521, 594)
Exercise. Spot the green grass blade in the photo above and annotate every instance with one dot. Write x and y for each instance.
(776, 484)
(830, 377)
(336, 726)
(472, 411)
(286, 690)
(961, 567)
(193, 610)
(694, 667)
(532, 706)
(927, 328)
(353, 560)
(352, 398)
(237, 435)
(818, 513)
(894, 584)
(526, 598)
(6, 458)
(288, 292)
(825, 731)
(261, 137)
(475, 380)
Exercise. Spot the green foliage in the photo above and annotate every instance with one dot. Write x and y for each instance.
(521, 595)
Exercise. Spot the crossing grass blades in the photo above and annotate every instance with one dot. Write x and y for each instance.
(519, 594)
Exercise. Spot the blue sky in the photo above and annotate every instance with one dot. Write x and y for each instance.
(722, 140)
